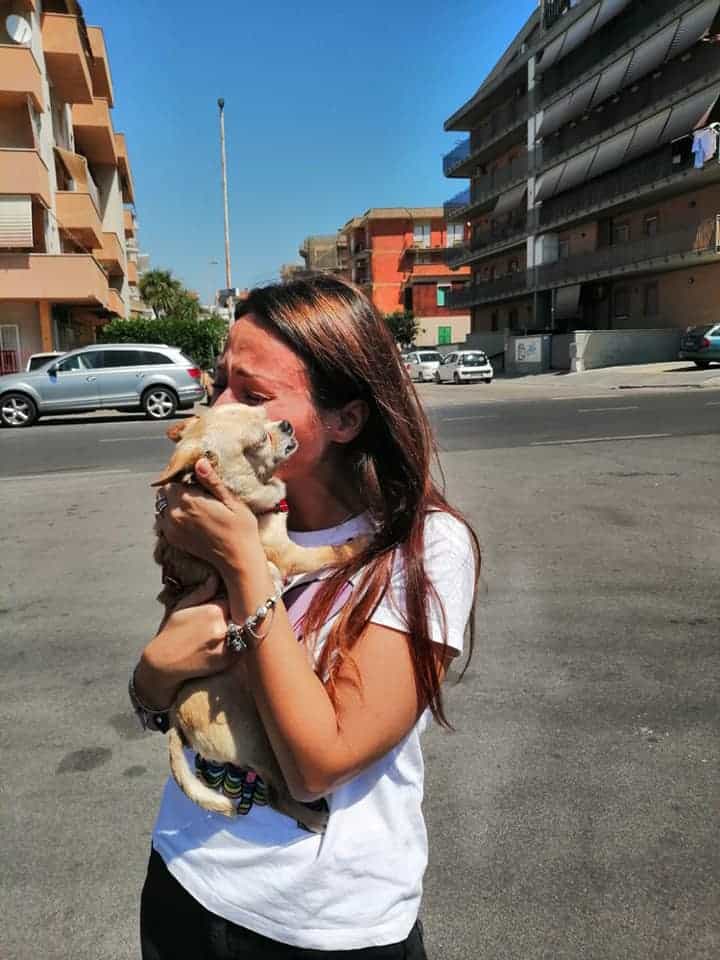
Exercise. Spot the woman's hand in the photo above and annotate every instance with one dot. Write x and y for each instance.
(190, 643)
(207, 520)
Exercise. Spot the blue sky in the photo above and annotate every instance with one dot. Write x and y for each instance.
(331, 108)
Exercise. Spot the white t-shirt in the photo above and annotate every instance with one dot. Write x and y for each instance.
(360, 883)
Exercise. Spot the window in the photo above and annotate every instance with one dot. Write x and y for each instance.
(620, 232)
(443, 292)
(421, 234)
(455, 234)
(650, 226)
(513, 265)
(150, 357)
(72, 364)
(621, 303)
(563, 249)
(122, 358)
(650, 305)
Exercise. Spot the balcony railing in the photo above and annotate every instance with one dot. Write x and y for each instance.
(701, 238)
(675, 76)
(603, 191)
(500, 121)
(456, 156)
(485, 188)
(512, 284)
(633, 20)
(483, 241)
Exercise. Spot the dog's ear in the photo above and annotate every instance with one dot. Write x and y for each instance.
(175, 431)
(183, 461)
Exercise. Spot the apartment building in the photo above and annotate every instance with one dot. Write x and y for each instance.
(592, 157)
(326, 253)
(398, 255)
(68, 256)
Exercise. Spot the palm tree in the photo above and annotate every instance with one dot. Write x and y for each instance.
(160, 290)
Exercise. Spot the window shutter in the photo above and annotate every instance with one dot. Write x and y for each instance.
(16, 222)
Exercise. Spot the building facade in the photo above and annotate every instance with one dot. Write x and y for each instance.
(326, 254)
(67, 259)
(397, 254)
(594, 173)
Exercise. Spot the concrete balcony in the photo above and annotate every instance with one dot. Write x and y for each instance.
(23, 172)
(67, 277)
(126, 180)
(129, 224)
(66, 58)
(94, 134)
(689, 246)
(115, 303)
(100, 66)
(78, 216)
(511, 285)
(132, 272)
(498, 238)
(110, 254)
(20, 77)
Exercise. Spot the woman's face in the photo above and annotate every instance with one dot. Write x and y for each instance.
(261, 370)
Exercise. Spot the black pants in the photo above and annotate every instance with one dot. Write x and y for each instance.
(174, 926)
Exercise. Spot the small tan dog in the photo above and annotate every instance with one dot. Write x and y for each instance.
(210, 715)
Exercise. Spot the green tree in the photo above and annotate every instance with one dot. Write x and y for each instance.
(161, 291)
(403, 326)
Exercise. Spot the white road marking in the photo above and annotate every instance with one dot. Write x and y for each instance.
(128, 439)
(635, 436)
(604, 409)
(458, 419)
(57, 475)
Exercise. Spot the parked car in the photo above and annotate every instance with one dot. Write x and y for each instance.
(124, 376)
(422, 364)
(701, 344)
(38, 360)
(462, 366)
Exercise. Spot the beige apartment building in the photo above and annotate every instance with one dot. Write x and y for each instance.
(68, 251)
(592, 156)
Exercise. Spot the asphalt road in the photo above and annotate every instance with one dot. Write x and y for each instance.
(571, 815)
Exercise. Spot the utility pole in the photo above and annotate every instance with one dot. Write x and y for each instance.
(228, 274)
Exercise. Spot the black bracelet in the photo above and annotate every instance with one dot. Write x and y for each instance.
(149, 719)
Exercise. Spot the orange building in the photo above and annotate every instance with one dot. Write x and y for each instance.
(398, 255)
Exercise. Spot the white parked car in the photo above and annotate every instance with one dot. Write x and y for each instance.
(422, 364)
(462, 366)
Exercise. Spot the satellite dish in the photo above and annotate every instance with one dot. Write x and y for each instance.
(19, 30)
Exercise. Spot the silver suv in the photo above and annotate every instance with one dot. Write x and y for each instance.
(124, 376)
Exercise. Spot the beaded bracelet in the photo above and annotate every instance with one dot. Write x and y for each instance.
(240, 637)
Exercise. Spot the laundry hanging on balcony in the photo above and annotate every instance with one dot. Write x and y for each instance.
(705, 145)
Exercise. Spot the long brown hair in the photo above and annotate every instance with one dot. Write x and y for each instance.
(350, 353)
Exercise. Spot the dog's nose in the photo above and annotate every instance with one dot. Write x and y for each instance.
(286, 426)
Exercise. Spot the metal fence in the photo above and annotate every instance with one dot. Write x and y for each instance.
(702, 237)
(499, 122)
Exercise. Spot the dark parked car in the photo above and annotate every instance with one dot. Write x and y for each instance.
(701, 344)
(125, 376)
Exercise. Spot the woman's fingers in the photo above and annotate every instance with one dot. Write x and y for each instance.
(202, 594)
(208, 478)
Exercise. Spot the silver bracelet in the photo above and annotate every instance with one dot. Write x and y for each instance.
(240, 637)
(149, 719)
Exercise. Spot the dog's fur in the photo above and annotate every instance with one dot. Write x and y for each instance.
(212, 715)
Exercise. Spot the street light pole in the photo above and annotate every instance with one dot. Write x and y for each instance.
(228, 275)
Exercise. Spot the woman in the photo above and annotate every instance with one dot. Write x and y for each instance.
(383, 631)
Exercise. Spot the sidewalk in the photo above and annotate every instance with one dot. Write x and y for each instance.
(673, 376)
